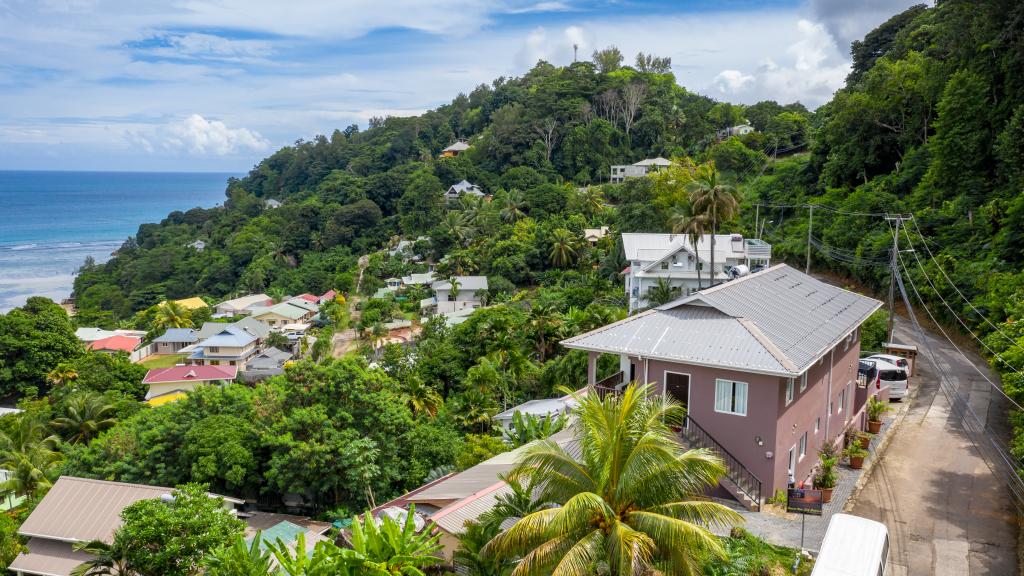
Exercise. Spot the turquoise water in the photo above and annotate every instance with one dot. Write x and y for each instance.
(51, 221)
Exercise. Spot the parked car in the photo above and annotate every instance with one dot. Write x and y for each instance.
(853, 546)
(877, 372)
(892, 359)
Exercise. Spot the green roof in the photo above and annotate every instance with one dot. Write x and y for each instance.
(284, 531)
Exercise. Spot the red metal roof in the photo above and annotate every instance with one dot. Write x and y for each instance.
(625, 270)
(329, 295)
(309, 298)
(118, 342)
(190, 374)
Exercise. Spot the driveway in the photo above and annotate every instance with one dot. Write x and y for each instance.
(946, 512)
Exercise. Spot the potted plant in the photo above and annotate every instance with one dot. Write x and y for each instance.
(859, 437)
(876, 408)
(855, 453)
(825, 477)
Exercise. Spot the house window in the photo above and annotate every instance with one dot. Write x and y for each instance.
(731, 397)
(232, 362)
(842, 398)
(803, 446)
(214, 349)
(451, 297)
(664, 265)
(803, 382)
(817, 425)
(789, 391)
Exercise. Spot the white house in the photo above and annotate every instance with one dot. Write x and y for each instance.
(467, 293)
(642, 168)
(671, 258)
(462, 187)
(739, 130)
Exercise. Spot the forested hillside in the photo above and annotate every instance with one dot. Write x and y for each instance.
(930, 123)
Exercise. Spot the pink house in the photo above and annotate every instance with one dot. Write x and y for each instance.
(766, 366)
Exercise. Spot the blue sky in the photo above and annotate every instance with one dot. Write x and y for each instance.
(198, 85)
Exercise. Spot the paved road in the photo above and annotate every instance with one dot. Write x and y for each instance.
(947, 514)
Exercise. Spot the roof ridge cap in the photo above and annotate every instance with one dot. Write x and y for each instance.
(768, 345)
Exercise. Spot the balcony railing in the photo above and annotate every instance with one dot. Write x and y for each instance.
(758, 249)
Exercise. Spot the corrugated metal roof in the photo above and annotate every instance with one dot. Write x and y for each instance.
(453, 518)
(83, 509)
(243, 302)
(190, 374)
(178, 335)
(777, 321)
(648, 247)
(48, 557)
(229, 336)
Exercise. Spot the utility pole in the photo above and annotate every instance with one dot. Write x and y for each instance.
(893, 261)
(757, 216)
(810, 226)
(575, 49)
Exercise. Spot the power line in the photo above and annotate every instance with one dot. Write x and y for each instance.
(995, 386)
(961, 294)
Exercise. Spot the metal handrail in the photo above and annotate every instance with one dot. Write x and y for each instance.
(745, 480)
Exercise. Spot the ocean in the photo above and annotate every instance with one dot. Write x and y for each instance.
(51, 221)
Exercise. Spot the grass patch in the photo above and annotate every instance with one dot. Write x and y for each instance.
(751, 555)
(162, 361)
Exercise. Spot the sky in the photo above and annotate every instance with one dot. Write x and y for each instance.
(216, 85)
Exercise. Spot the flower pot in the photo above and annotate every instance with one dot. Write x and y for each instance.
(826, 494)
(874, 426)
(856, 462)
(865, 442)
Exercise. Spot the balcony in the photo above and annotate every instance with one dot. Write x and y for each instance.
(758, 249)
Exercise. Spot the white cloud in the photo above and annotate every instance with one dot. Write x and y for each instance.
(731, 81)
(199, 136)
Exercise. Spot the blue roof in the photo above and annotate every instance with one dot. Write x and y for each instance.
(177, 335)
(230, 336)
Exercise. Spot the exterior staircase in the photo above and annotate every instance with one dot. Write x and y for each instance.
(739, 481)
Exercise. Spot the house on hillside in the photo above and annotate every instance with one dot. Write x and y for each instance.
(79, 510)
(594, 235)
(115, 344)
(449, 502)
(468, 292)
(89, 335)
(673, 259)
(638, 169)
(270, 203)
(766, 366)
(170, 384)
(197, 245)
(174, 339)
(296, 310)
(241, 306)
(193, 303)
(455, 149)
(230, 346)
(460, 188)
(267, 363)
(540, 408)
(738, 130)
(419, 279)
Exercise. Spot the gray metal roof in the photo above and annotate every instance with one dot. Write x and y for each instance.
(187, 335)
(48, 557)
(231, 336)
(777, 321)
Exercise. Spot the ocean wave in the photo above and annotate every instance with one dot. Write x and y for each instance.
(64, 245)
(22, 247)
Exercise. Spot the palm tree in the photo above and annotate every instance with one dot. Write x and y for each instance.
(392, 549)
(29, 453)
(714, 200)
(512, 208)
(661, 293)
(421, 397)
(563, 251)
(683, 221)
(240, 559)
(455, 286)
(546, 323)
(61, 375)
(519, 501)
(170, 314)
(632, 503)
(454, 224)
(108, 559)
(591, 200)
(88, 414)
(468, 556)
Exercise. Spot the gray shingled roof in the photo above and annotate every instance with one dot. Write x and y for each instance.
(777, 321)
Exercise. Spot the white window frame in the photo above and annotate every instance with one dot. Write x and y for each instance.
(817, 425)
(803, 448)
(733, 398)
(803, 382)
(842, 400)
(790, 386)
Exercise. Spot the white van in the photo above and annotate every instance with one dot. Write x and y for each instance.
(889, 374)
(853, 546)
